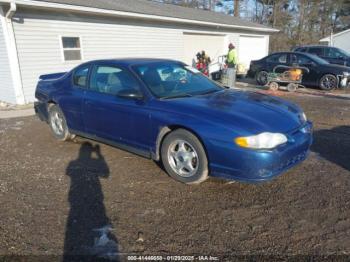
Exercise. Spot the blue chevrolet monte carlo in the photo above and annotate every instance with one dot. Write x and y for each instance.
(170, 112)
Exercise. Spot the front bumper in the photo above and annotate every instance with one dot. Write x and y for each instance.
(255, 166)
(344, 81)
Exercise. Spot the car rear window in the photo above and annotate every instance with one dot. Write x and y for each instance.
(80, 76)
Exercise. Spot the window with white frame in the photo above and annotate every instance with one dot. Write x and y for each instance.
(71, 48)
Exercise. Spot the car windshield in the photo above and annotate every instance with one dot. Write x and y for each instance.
(343, 52)
(318, 60)
(170, 80)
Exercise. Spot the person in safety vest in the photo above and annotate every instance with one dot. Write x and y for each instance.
(231, 62)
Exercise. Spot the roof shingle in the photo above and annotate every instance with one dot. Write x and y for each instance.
(161, 9)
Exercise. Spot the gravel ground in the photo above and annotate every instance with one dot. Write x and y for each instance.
(55, 195)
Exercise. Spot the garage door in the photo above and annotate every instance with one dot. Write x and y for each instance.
(251, 48)
(213, 45)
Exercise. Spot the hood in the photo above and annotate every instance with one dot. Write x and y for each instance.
(245, 112)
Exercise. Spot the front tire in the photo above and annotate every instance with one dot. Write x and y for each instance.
(58, 123)
(261, 78)
(328, 82)
(184, 157)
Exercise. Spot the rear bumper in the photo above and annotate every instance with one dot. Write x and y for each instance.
(254, 166)
(41, 111)
(251, 74)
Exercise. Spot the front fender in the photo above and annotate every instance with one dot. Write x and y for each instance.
(206, 131)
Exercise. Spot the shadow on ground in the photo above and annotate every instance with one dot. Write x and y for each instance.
(89, 234)
(333, 145)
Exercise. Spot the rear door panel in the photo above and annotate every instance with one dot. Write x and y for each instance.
(70, 98)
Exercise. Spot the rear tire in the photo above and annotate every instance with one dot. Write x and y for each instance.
(328, 82)
(58, 123)
(184, 157)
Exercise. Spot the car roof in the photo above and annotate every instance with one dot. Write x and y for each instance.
(311, 56)
(289, 52)
(322, 46)
(132, 61)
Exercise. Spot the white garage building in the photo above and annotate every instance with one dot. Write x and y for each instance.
(340, 40)
(41, 37)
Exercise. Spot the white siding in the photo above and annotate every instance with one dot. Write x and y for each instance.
(39, 49)
(7, 93)
(212, 44)
(252, 48)
(342, 41)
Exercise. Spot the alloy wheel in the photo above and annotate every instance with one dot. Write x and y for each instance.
(57, 123)
(329, 82)
(183, 158)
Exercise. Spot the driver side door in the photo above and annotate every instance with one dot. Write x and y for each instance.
(310, 77)
(111, 117)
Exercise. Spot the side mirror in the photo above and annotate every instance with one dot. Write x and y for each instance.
(130, 94)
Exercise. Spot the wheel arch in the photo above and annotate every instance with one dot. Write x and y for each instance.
(66, 135)
(51, 102)
(165, 130)
(42, 109)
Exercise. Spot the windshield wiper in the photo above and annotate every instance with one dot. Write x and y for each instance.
(177, 96)
(209, 92)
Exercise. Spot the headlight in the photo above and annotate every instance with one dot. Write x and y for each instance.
(264, 140)
(346, 74)
(303, 117)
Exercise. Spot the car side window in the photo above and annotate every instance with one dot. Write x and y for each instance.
(80, 76)
(301, 60)
(111, 80)
(277, 58)
(333, 53)
(316, 51)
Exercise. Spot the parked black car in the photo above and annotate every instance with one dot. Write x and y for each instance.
(321, 73)
(333, 55)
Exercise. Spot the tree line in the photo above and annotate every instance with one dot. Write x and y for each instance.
(300, 21)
